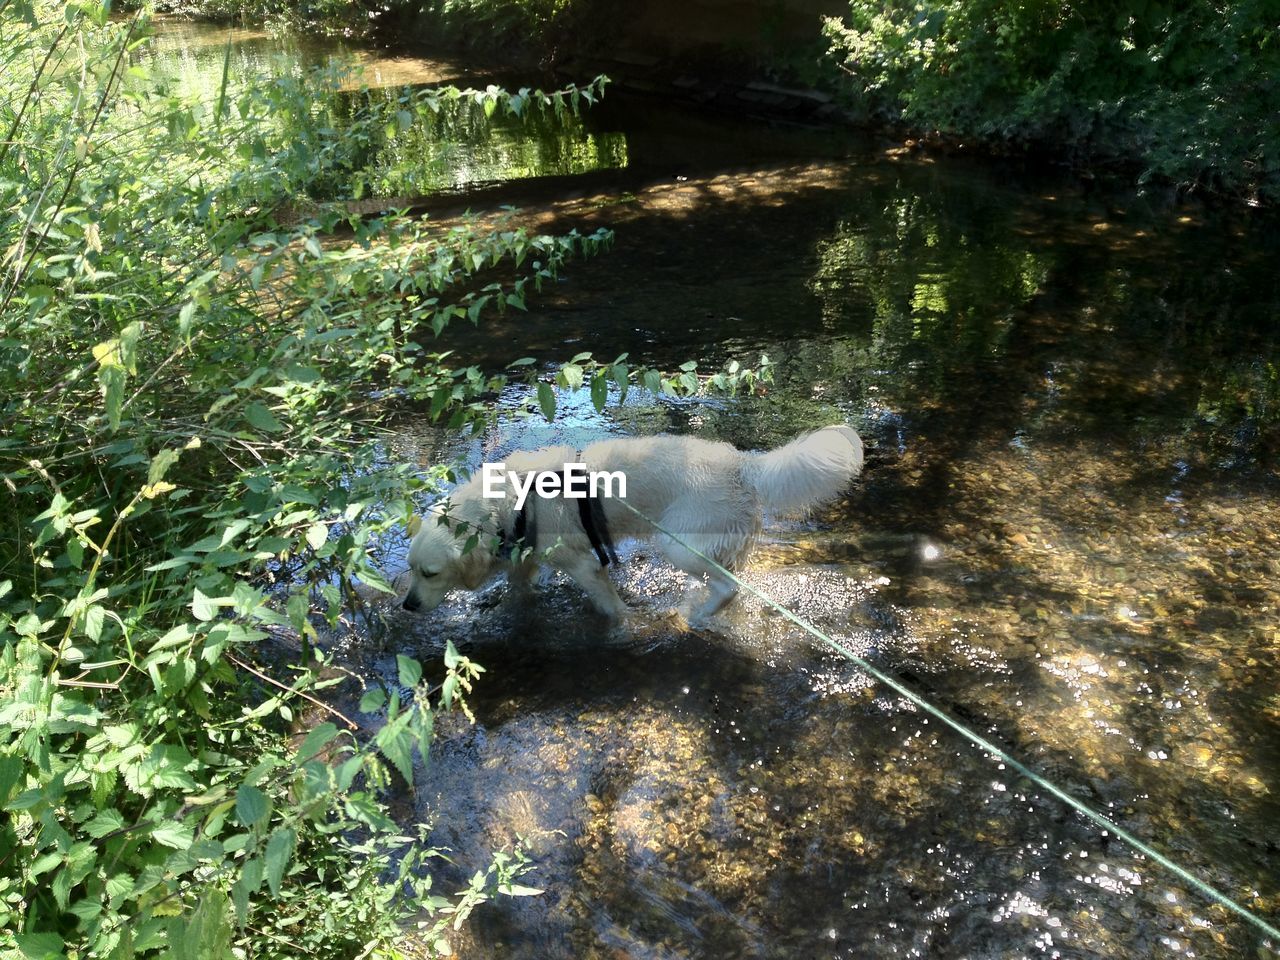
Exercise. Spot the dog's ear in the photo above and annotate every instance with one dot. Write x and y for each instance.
(474, 566)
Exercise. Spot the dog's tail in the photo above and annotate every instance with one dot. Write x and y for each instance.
(807, 472)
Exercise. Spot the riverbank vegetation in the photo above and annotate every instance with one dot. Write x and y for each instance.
(195, 385)
(1179, 94)
(1185, 93)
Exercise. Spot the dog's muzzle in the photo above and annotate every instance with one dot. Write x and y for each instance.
(411, 602)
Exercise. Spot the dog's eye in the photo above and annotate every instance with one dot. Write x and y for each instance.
(426, 574)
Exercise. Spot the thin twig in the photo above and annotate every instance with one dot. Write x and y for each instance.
(90, 683)
(351, 724)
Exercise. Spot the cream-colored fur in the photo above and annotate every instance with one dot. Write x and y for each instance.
(709, 494)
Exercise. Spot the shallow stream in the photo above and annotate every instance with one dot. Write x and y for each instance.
(1066, 536)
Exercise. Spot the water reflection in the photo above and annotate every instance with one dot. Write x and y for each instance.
(418, 151)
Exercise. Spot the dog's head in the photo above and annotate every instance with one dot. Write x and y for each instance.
(439, 562)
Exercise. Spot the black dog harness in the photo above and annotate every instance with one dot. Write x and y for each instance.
(590, 515)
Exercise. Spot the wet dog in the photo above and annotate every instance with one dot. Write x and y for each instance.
(708, 494)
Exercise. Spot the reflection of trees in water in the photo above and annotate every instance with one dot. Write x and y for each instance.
(945, 307)
(940, 291)
(459, 145)
(377, 141)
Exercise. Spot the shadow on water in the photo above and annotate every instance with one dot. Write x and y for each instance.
(1066, 535)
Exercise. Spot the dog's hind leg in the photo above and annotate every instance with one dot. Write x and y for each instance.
(721, 590)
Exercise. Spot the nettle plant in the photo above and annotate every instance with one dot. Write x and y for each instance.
(196, 400)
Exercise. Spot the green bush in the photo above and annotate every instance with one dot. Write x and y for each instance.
(191, 464)
(195, 400)
(1186, 90)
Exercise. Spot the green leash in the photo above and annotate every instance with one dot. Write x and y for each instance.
(980, 741)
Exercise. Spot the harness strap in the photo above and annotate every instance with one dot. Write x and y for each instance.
(590, 516)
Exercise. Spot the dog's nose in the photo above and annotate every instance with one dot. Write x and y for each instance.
(411, 602)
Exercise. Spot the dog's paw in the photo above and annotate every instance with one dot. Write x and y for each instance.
(626, 631)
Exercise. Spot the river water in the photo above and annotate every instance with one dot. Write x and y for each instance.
(1066, 536)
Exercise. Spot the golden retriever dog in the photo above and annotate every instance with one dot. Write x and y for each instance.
(566, 508)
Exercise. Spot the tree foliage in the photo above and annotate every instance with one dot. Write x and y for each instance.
(1187, 90)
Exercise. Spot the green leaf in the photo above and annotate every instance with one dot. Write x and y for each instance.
(261, 418)
(240, 894)
(517, 890)
(372, 700)
(10, 774)
(317, 534)
(204, 607)
(129, 347)
(112, 379)
(451, 656)
(166, 766)
(94, 619)
(410, 670)
(39, 946)
(186, 316)
(252, 805)
(347, 772)
(121, 735)
(315, 742)
(298, 607)
(251, 875)
(572, 375)
(44, 864)
(118, 887)
(70, 714)
(396, 744)
(448, 689)
(599, 391)
(175, 834)
(87, 910)
(107, 821)
(161, 463)
(547, 400)
(279, 853)
(424, 728)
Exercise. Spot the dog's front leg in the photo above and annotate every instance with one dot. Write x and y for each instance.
(591, 577)
(520, 577)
